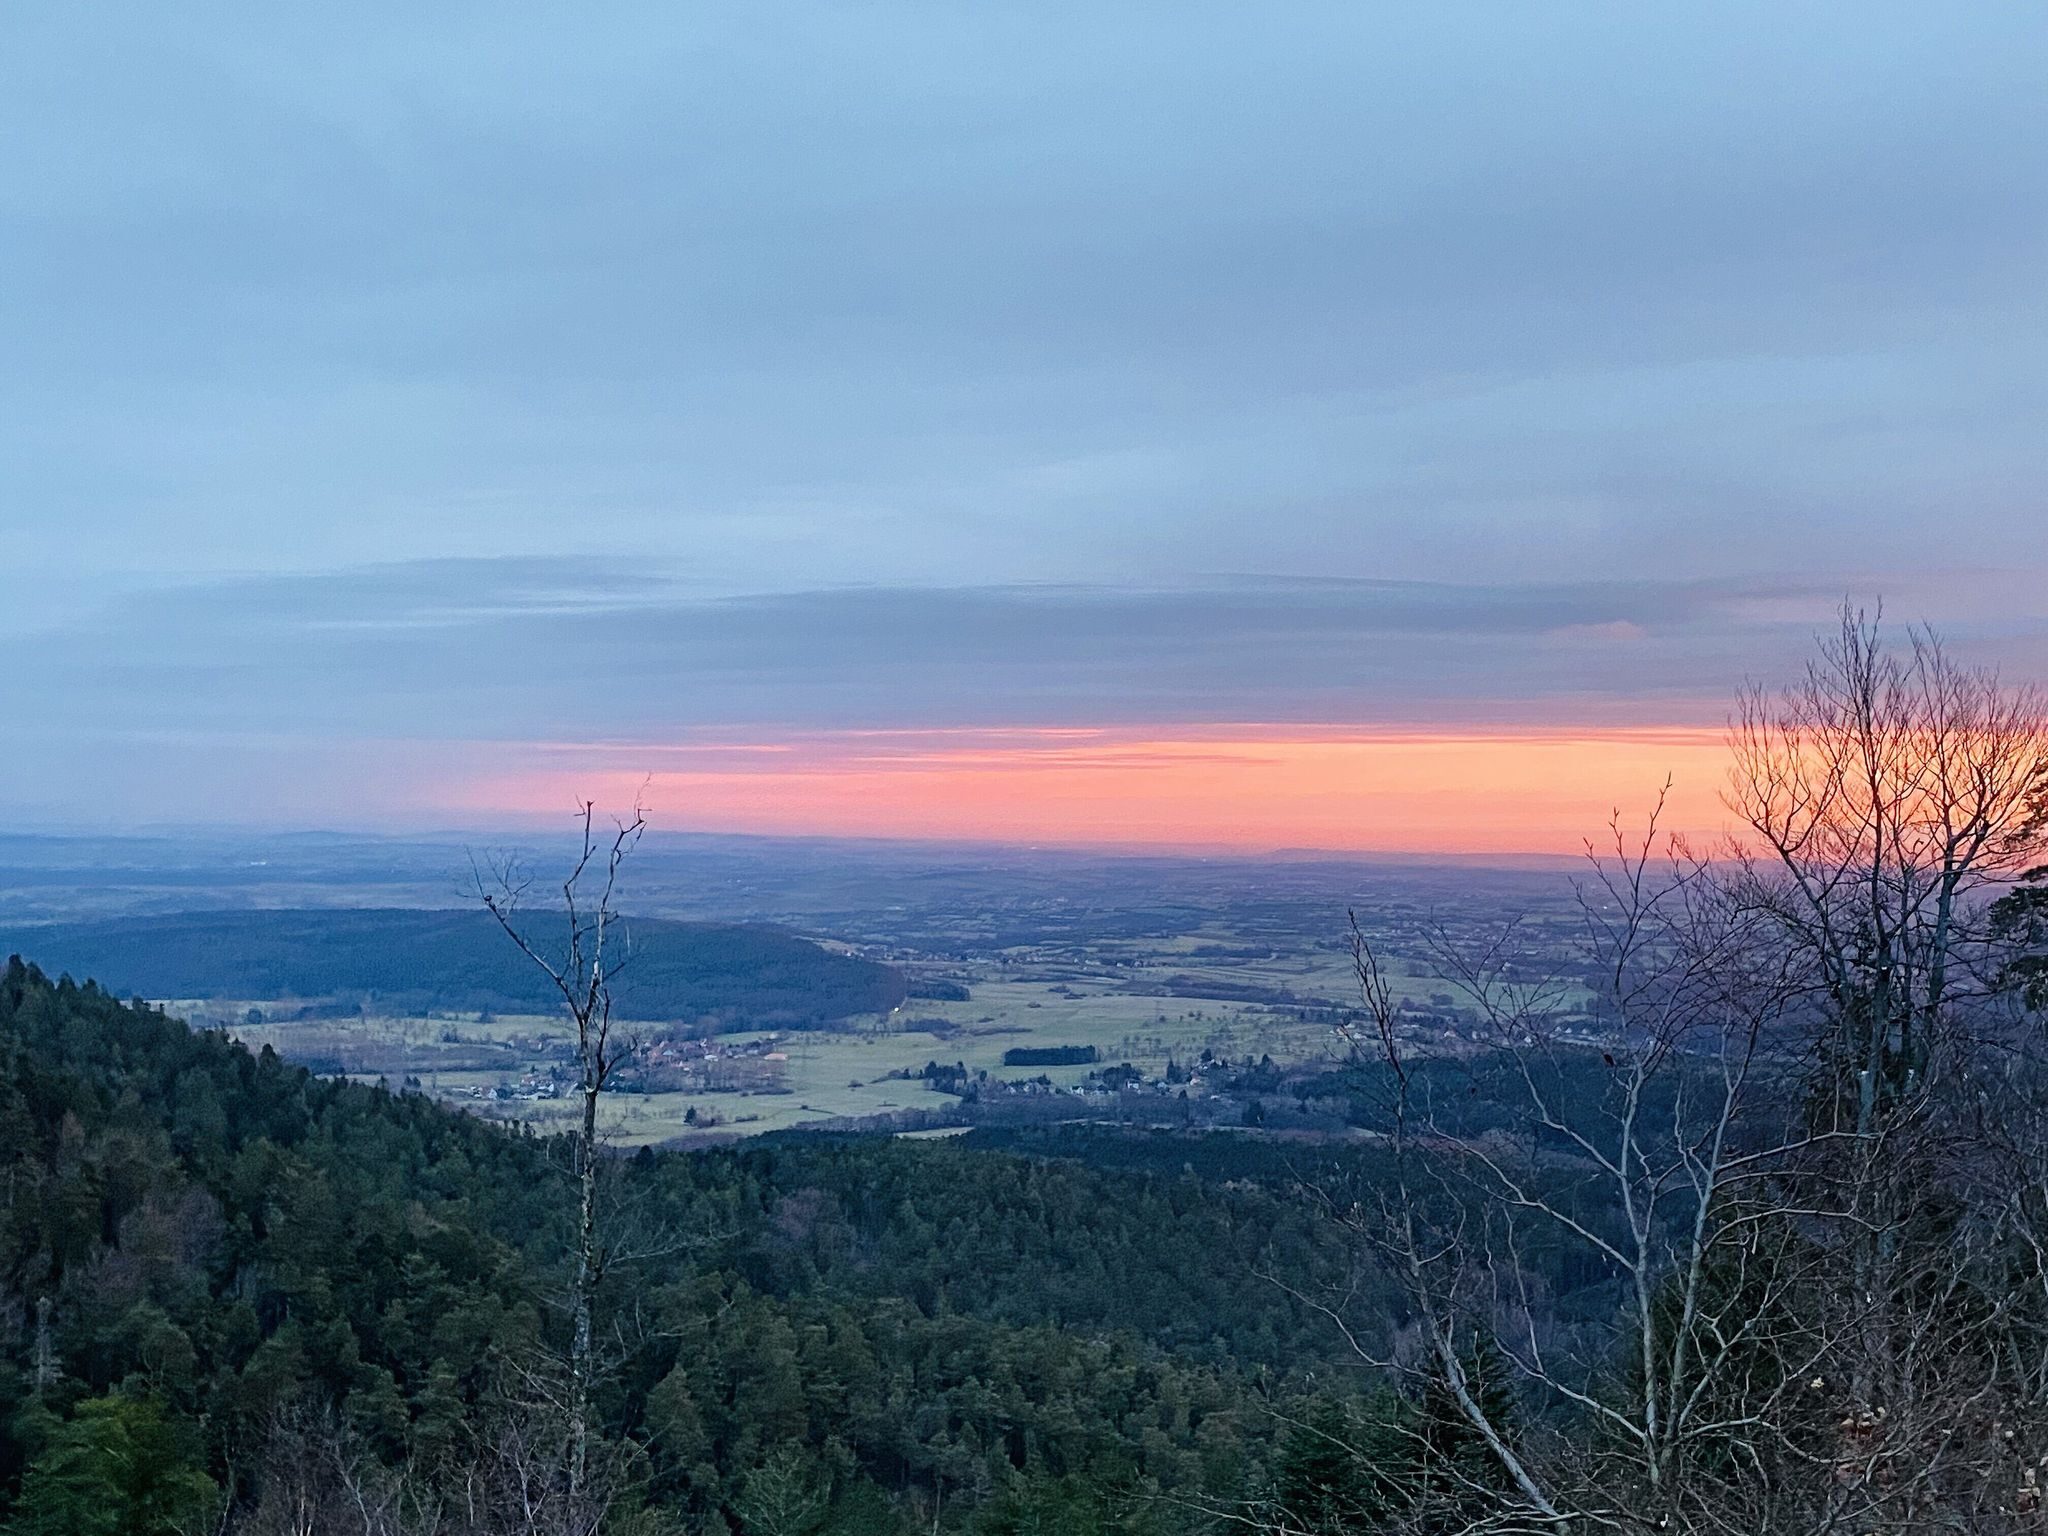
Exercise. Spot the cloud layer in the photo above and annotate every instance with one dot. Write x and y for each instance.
(385, 380)
(438, 689)
(522, 651)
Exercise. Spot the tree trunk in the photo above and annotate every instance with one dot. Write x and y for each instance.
(586, 1286)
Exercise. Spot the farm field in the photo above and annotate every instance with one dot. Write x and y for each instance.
(867, 1071)
(1111, 996)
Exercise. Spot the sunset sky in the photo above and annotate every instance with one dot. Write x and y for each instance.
(1265, 427)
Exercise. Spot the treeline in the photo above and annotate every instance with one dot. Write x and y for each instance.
(406, 960)
(230, 1290)
(1050, 1056)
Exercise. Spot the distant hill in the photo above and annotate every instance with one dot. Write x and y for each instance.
(400, 959)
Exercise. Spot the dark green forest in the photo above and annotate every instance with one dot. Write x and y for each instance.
(226, 1284)
(418, 960)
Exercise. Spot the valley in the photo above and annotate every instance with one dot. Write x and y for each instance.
(899, 1014)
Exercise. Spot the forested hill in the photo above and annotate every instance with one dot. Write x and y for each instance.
(231, 1292)
(399, 959)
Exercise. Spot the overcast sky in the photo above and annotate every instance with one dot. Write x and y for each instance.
(383, 381)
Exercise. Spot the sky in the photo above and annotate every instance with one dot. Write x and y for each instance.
(1250, 426)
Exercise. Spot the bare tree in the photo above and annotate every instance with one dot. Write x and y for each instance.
(1885, 798)
(508, 1478)
(1881, 797)
(1663, 1175)
(318, 1481)
(593, 950)
(1812, 1159)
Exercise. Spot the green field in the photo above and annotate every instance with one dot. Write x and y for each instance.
(1103, 994)
(828, 1075)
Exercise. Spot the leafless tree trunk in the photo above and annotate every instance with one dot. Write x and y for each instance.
(45, 1368)
(582, 971)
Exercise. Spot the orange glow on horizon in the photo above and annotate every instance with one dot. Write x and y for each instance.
(1245, 787)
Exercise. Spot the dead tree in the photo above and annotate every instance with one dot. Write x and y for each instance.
(594, 948)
